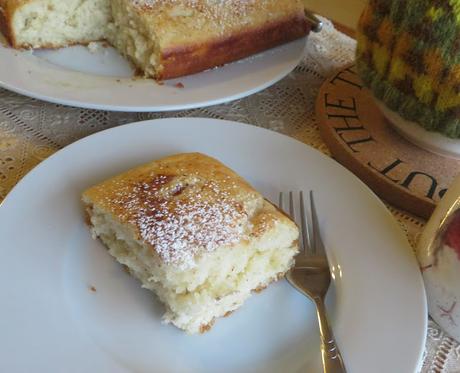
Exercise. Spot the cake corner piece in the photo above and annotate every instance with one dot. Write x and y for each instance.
(193, 232)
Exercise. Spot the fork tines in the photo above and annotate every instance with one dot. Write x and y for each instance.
(306, 219)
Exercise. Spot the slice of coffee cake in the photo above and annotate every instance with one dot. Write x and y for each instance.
(194, 232)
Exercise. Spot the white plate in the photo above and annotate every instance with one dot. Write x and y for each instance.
(51, 321)
(103, 80)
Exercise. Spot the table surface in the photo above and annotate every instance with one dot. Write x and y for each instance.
(31, 130)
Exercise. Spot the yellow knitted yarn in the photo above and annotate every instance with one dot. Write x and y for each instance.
(409, 55)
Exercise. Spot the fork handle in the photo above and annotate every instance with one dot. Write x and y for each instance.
(330, 354)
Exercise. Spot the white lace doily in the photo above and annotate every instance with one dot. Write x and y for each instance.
(31, 130)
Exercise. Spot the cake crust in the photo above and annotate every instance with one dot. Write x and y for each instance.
(185, 60)
(5, 21)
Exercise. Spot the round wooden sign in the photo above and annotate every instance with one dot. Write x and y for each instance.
(359, 137)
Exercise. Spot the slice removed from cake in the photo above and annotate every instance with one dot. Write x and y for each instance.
(195, 233)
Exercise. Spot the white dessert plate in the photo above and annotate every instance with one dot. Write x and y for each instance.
(102, 79)
(68, 306)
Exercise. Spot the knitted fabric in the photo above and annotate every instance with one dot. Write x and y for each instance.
(409, 56)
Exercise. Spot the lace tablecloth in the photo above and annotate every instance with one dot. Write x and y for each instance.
(31, 130)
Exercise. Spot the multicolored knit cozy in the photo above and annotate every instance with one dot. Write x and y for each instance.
(409, 56)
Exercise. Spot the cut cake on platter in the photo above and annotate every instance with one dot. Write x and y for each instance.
(162, 38)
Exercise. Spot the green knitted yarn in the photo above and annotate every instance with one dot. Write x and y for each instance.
(409, 56)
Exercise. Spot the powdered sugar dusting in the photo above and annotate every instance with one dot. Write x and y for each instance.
(198, 4)
(221, 13)
(181, 217)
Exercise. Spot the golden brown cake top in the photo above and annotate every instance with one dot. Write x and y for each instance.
(212, 8)
(179, 22)
(237, 5)
(183, 205)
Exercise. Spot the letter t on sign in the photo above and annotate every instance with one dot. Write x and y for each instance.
(345, 77)
(387, 169)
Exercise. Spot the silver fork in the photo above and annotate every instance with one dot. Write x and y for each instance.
(311, 276)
